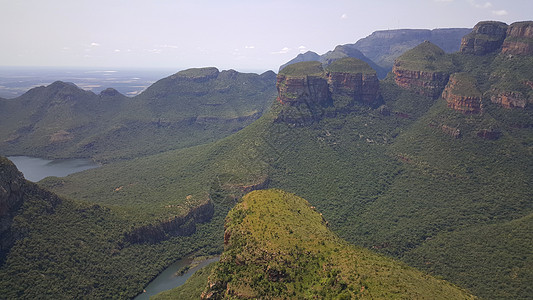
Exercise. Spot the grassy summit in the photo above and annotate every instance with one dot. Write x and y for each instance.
(279, 246)
(425, 57)
(350, 65)
(309, 68)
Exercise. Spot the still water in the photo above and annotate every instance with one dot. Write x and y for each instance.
(35, 169)
(167, 279)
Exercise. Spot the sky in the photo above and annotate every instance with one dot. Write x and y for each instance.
(245, 35)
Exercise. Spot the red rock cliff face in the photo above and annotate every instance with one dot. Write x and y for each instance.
(510, 99)
(519, 40)
(486, 37)
(429, 84)
(467, 103)
(302, 89)
(356, 87)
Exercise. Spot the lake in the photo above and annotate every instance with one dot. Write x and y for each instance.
(168, 279)
(35, 169)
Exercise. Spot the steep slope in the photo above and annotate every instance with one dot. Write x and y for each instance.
(384, 46)
(278, 246)
(424, 69)
(381, 48)
(188, 108)
(52, 247)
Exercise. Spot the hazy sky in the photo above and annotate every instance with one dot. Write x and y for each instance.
(251, 35)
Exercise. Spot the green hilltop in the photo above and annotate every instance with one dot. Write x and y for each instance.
(350, 65)
(425, 57)
(278, 246)
(307, 68)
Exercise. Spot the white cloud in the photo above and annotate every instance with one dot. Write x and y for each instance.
(93, 44)
(116, 50)
(167, 46)
(154, 51)
(249, 47)
(501, 12)
(302, 49)
(477, 5)
(344, 16)
(282, 51)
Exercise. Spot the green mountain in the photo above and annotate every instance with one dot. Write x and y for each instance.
(440, 181)
(278, 246)
(381, 48)
(191, 107)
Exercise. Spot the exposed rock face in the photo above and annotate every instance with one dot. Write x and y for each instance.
(14, 191)
(486, 37)
(182, 225)
(424, 69)
(429, 84)
(302, 89)
(461, 94)
(307, 92)
(358, 87)
(519, 40)
(510, 99)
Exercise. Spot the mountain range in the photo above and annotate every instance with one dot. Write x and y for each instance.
(430, 166)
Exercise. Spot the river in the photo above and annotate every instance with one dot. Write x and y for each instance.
(168, 279)
(35, 169)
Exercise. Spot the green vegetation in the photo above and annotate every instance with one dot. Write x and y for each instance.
(278, 246)
(350, 65)
(465, 85)
(426, 57)
(189, 108)
(306, 68)
(397, 184)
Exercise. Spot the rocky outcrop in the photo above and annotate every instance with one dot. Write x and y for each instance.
(308, 92)
(461, 94)
(302, 89)
(519, 40)
(361, 87)
(182, 225)
(509, 99)
(424, 69)
(486, 37)
(14, 191)
(429, 84)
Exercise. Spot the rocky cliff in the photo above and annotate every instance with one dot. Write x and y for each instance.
(519, 39)
(486, 37)
(509, 99)
(308, 92)
(462, 94)
(352, 80)
(424, 69)
(14, 191)
(182, 225)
